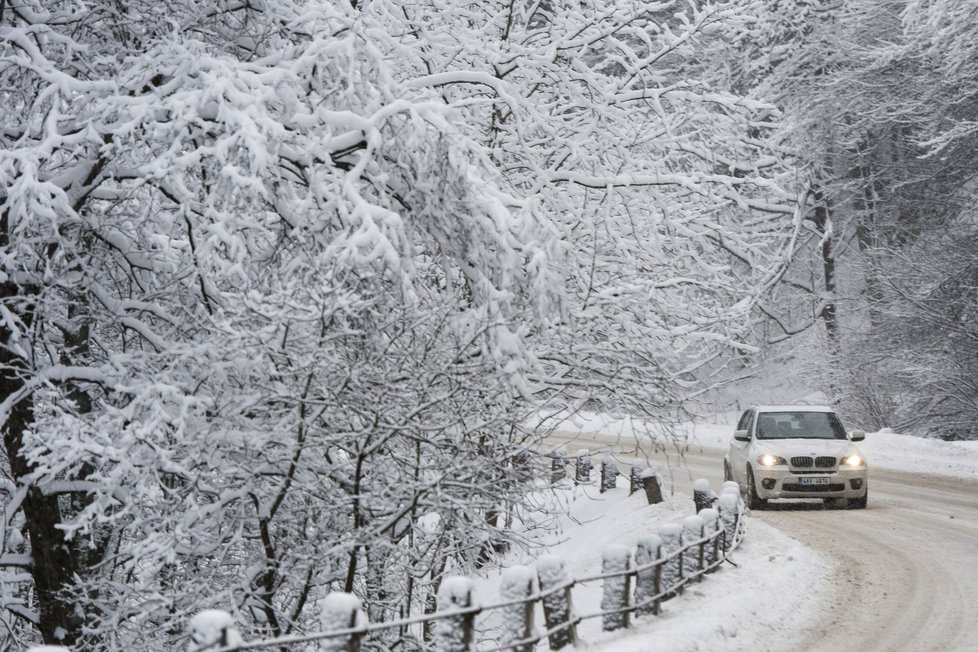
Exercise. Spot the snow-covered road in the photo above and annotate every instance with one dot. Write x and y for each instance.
(900, 575)
(907, 577)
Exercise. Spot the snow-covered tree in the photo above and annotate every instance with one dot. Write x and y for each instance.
(281, 281)
(879, 100)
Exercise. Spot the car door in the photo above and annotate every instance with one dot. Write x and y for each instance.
(738, 449)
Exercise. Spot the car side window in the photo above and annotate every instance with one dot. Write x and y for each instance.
(746, 421)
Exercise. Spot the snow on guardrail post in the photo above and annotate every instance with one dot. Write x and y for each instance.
(648, 582)
(582, 469)
(454, 632)
(733, 489)
(671, 535)
(728, 507)
(730, 485)
(693, 557)
(635, 477)
(609, 474)
(213, 628)
(342, 611)
(558, 465)
(554, 580)
(615, 591)
(703, 496)
(517, 620)
(711, 520)
(652, 485)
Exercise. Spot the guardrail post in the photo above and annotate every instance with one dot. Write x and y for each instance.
(703, 496)
(557, 608)
(342, 611)
(517, 620)
(693, 557)
(653, 488)
(609, 474)
(454, 632)
(616, 591)
(671, 535)
(212, 628)
(635, 477)
(729, 508)
(711, 528)
(558, 468)
(648, 582)
(730, 485)
(582, 473)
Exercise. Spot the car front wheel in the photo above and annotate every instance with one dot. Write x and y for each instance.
(753, 500)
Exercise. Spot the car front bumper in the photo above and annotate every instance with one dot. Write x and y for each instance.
(773, 483)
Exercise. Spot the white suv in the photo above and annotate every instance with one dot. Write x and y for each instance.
(796, 451)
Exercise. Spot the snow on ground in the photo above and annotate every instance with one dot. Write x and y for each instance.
(739, 607)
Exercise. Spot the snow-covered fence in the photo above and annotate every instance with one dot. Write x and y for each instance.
(633, 582)
(558, 465)
(652, 484)
(730, 508)
(703, 496)
(635, 477)
(582, 471)
(609, 474)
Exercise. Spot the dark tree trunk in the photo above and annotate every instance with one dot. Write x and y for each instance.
(822, 218)
(53, 565)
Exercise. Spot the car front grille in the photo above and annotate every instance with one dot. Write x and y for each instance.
(812, 488)
(807, 462)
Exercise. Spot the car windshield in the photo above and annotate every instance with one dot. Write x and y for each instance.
(799, 425)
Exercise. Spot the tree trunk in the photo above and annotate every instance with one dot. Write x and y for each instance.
(53, 564)
(822, 217)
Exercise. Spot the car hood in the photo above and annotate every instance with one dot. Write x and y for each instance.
(793, 447)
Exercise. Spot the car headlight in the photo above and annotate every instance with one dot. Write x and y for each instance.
(853, 460)
(771, 460)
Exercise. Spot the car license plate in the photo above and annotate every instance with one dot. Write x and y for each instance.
(813, 480)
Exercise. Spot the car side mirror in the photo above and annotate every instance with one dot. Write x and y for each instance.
(741, 435)
(857, 435)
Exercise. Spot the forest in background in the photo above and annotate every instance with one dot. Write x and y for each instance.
(283, 280)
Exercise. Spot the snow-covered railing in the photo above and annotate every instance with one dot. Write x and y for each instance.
(633, 582)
